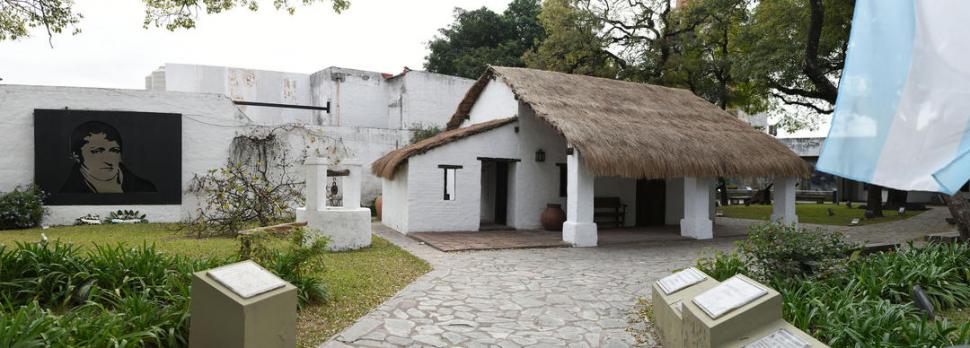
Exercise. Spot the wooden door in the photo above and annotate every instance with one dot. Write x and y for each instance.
(651, 202)
(501, 192)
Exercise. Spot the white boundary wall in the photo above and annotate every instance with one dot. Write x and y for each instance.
(209, 123)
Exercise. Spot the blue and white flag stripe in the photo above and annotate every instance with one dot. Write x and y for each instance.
(903, 110)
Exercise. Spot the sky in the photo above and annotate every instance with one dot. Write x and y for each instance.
(113, 50)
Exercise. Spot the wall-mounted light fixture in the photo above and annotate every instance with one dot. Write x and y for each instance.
(540, 156)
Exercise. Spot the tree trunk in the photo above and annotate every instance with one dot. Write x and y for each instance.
(874, 200)
(897, 199)
(959, 206)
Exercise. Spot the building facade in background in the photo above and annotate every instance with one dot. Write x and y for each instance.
(371, 113)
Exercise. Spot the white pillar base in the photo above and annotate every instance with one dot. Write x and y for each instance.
(785, 219)
(697, 228)
(579, 234)
(783, 205)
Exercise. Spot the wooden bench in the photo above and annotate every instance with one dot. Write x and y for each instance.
(739, 196)
(609, 211)
(815, 196)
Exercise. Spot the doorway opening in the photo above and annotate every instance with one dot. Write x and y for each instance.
(495, 194)
(651, 202)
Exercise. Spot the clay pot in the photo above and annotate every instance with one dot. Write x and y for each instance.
(379, 205)
(553, 217)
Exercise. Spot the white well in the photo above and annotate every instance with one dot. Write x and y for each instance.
(348, 226)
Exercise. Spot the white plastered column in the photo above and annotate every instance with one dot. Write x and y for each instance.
(316, 179)
(783, 202)
(579, 229)
(352, 184)
(697, 222)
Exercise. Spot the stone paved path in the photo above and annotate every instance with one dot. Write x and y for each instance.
(577, 297)
(580, 297)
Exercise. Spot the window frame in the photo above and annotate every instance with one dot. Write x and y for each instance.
(445, 195)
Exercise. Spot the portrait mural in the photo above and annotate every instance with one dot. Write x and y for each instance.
(108, 157)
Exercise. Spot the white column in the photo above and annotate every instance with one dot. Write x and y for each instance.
(579, 229)
(351, 184)
(316, 183)
(783, 201)
(697, 222)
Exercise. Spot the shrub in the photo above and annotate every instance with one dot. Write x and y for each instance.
(773, 249)
(22, 208)
(854, 301)
(295, 263)
(51, 295)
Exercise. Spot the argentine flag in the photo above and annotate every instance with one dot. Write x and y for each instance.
(903, 110)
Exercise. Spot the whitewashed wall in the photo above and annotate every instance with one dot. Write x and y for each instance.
(535, 184)
(357, 98)
(244, 84)
(427, 209)
(395, 208)
(427, 97)
(496, 101)
(209, 123)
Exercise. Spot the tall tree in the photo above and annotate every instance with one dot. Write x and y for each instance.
(574, 43)
(796, 50)
(17, 17)
(481, 37)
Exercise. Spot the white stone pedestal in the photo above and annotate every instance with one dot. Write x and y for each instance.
(580, 234)
(347, 228)
(221, 317)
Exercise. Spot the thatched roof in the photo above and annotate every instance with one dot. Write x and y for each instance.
(386, 166)
(642, 131)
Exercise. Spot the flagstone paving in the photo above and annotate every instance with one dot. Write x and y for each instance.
(578, 297)
(553, 297)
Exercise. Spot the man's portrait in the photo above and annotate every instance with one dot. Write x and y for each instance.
(96, 149)
(85, 157)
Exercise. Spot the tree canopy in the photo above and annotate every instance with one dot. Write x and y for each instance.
(481, 37)
(739, 54)
(18, 17)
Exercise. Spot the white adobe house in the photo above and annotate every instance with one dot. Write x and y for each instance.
(522, 139)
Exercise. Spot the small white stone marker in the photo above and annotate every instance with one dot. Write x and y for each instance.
(854, 222)
(779, 339)
(674, 282)
(246, 279)
(732, 293)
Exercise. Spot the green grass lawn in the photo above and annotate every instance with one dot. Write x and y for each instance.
(357, 281)
(814, 213)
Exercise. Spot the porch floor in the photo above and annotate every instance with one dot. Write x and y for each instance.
(518, 239)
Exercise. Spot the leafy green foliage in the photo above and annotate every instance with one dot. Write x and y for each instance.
(420, 131)
(859, 300)
(22, 208)
(481, 37)
(51, 295)
(17, 17)
(574, 44)
(773, 250)
(294, 263)
(127, 215)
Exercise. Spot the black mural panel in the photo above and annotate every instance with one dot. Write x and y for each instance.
(108, 157)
